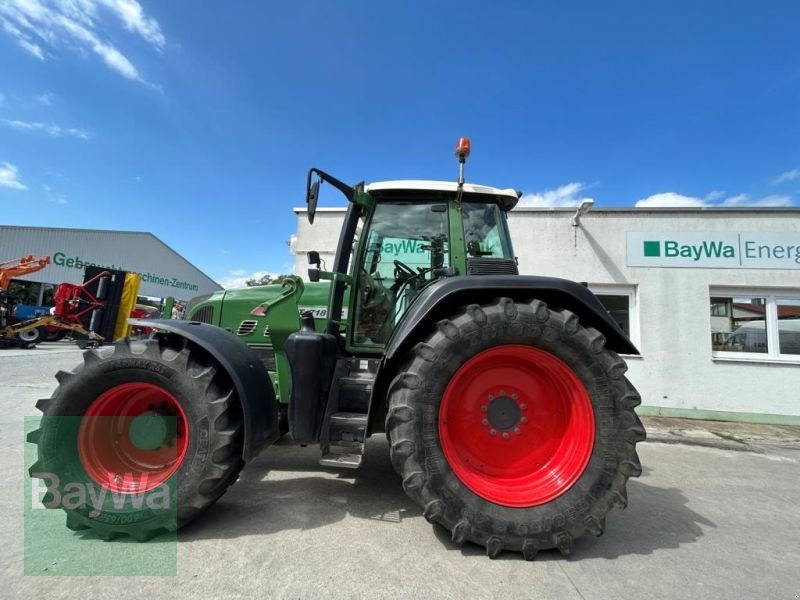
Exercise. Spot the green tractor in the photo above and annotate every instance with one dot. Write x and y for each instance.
(506, 408)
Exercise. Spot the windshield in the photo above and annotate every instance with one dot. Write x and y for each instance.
(485, 231)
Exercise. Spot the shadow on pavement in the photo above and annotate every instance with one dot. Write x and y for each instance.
(301, 495)
(656, 518)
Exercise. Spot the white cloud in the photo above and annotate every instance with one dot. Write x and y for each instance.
(670, 199)
(78, 24)
(53, 196)
(236, 278)
(572, 194)
(673, 200)
(48, 128)
(565, 195)
(45, 98)
(714, 195)
(774, 200)
(9, 177)
(133, 19)
(24, 40)
(744, 200)
(786, 177)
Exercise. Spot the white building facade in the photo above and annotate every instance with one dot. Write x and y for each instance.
(711, 297)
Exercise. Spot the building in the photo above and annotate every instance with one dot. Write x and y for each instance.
(711, 297)
(164, 272)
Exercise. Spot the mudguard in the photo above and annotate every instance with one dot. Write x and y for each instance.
(438, 299)
(435, 301)
(252, 382)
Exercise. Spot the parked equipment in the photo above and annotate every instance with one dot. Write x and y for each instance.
(88, 310)
(15, 330)
(504, 401)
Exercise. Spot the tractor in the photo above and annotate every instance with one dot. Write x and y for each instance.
(503, 397)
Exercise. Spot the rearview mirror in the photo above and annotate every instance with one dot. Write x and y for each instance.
(312, 195)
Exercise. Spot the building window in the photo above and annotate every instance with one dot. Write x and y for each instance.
(788, 312)
(720, 307)
(620, 302)
(756, 325)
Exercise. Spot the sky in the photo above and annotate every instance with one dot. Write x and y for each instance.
(198, 121)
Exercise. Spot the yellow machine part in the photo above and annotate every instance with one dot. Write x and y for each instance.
(130, 291)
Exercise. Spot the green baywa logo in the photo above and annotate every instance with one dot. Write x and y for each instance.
(705, 249)
(652, 248)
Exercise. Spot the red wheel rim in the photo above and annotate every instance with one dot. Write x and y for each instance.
(125, 453)
(516, 426)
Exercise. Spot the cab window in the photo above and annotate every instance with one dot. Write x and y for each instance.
(405, 242)
(486, 231)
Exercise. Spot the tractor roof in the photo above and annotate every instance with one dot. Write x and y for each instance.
(506, 198)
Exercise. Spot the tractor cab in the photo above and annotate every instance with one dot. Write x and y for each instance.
(412, 233)
(415, 235)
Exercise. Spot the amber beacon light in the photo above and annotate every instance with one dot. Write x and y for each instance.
(462, 148)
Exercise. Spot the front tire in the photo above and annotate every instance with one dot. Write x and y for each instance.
(30, 337)
(513, 427)
(98, 432)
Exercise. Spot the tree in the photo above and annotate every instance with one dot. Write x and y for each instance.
(24, 292)
(265, 280)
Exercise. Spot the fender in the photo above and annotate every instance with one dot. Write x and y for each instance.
(252, 382)
(434, 300)
(437, 299)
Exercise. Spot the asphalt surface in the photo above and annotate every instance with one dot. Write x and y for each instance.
(703, 522)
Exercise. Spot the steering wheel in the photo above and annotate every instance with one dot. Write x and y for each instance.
(405, 269)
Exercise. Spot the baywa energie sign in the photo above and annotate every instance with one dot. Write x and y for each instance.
(725, 250)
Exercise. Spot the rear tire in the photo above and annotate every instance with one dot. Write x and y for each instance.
(171, 376)
(440, 418)
(55, 336)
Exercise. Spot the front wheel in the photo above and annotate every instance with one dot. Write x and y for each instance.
(151, 430)
(30, 337)
(513, 426)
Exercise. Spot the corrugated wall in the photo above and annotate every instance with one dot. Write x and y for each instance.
(164, 272)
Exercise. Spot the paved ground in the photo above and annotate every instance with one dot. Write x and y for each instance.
(703, 522)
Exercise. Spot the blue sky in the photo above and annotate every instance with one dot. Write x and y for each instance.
(198, 121)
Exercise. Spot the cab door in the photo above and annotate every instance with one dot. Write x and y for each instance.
(402, 244)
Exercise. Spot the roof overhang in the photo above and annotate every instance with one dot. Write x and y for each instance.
(506, 198)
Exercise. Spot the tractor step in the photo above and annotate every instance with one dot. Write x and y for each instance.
(346, 436)
(346, 461)
(349, 422)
